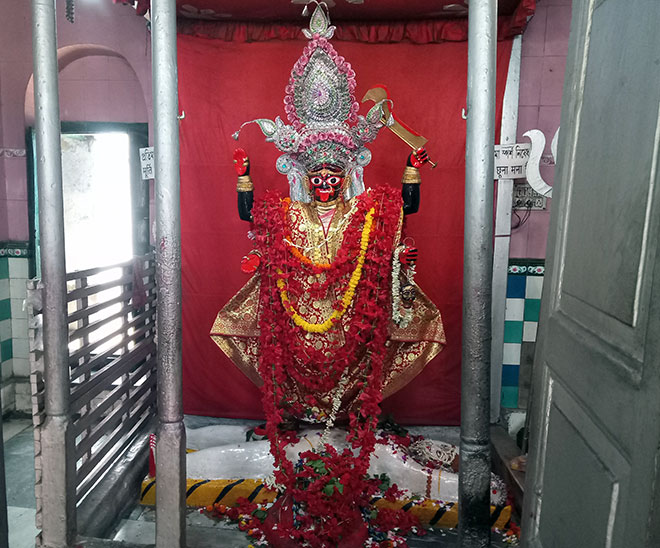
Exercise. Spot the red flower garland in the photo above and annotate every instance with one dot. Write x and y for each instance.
(327, 485)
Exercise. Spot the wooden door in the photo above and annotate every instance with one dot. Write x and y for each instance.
(595, 430)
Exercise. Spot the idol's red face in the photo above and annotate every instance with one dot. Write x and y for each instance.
(325, 185)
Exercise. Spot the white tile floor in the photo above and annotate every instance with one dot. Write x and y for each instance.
(14, 427)
(22, 530)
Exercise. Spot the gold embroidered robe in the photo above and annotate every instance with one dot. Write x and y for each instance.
(409, 349)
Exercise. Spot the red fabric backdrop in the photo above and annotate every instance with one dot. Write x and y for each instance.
(432, 31)
(223, 84)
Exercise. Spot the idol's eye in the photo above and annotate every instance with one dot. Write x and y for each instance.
(334, 180)
(316, 181)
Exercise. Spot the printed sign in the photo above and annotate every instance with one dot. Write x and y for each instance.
(147, 162)
(511, 160)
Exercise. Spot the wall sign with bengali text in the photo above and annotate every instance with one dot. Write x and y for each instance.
(511, 161)
(147, 162)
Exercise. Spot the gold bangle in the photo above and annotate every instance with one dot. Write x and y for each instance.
(411, 176)
(244, 184)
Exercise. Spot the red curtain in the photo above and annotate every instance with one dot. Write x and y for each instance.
(417, 32)
(221, 85)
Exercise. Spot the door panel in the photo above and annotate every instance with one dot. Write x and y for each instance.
(617, 118)
(595, 425)
(600, 475)
(591, 368)
(610, 193)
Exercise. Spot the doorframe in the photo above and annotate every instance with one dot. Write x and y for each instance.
(138, 133)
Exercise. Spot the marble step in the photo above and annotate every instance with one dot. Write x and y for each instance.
(143, 533)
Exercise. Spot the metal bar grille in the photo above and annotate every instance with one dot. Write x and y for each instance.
(111, 451)
(77, 357)
(139, 379)
(105, 378)
(111, 316)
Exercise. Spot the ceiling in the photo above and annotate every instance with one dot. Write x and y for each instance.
(355, 10)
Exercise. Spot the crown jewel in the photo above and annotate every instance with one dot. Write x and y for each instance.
(324, 125)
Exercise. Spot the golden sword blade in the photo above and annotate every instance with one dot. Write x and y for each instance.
(415, 141)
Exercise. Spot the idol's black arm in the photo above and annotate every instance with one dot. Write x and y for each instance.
(245, 199)
(410, 184)
(245, 192)
(410, 194)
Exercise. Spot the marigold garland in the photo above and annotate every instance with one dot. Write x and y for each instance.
(302, 258)
(348, 294)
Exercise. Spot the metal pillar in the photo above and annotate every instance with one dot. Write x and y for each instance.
(170, 449)
(503, 229)
(474, 476)
(58, 474)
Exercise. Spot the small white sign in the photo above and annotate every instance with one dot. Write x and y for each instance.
(147, 162)
(511, 160)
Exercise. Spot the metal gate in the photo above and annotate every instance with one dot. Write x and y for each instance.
(111, 314)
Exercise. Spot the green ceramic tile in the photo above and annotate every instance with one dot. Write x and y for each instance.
(532, 310)
(4, 268)
(510, 375)
(510, 397)
(513, 332)
(5, 309)
(6, 351)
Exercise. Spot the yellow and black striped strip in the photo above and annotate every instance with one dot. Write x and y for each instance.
(207, 492)
(495, 515)
(146, 486)
(255, 492)
(225, 491)
(431, 513)
(408, 506)
(191, 489)
(441, 512)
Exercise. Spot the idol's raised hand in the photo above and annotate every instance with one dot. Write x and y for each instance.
(408, 256)
(250, 263)
(241, 162)
(418, 158)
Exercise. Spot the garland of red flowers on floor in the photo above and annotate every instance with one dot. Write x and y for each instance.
(326, 487)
